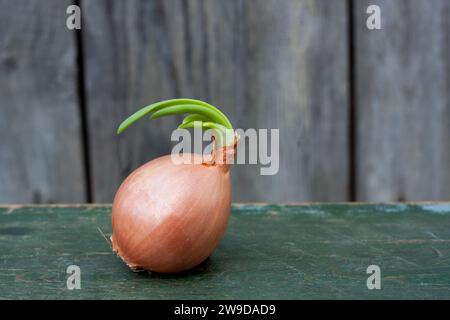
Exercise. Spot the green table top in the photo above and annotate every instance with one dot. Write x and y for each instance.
(307, 251)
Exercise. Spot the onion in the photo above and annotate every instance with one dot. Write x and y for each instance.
(169, 217)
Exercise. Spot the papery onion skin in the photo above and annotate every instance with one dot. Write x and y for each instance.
(170, 217)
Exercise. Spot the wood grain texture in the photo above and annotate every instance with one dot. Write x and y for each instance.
(272, 65)
(269, 252)
(40, 143)
(402, 97)
(129, 64)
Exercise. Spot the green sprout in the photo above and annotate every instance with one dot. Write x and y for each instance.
(200, 115)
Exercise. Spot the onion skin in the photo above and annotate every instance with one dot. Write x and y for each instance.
(170, 217)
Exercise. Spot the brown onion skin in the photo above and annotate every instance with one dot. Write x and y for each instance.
(170, 217)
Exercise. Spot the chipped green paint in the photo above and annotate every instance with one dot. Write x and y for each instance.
(269, 252)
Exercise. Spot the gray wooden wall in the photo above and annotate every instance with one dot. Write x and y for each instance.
(363, 115)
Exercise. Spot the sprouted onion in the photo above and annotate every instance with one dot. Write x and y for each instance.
(169, 217)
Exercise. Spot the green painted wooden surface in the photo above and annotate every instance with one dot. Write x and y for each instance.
(269, 252)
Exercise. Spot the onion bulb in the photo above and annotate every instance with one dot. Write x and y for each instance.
(169, 217)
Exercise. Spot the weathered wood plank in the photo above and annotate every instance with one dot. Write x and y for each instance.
(269, 252)
(129, 63)
(272, 65)
(402, 99)
(40, 142)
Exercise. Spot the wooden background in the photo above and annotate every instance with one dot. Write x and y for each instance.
(363, 115)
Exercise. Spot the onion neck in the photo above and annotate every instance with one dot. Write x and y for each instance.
(223, 155)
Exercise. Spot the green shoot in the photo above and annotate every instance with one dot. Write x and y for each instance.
(201, 114)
